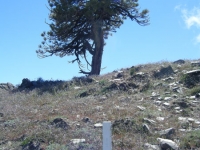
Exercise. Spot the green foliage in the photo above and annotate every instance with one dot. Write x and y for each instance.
(189, 80)
(26, 141)
(132, 71)
(195, 90)
(78, 27)
(56, 146)
(191, 140)
(186, 112)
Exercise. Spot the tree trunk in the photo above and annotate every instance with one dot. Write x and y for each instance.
(98, 52)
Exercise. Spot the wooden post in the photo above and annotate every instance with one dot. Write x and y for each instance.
(107, 141)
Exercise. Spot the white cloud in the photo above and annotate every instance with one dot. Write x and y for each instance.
(177, 7)
(198, 39)
(192, 17)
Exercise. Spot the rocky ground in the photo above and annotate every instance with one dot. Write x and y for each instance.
(151, 107)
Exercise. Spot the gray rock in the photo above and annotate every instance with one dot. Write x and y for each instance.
(33, 145)
(146, 128)
(1, 114)
(86, 119)
(98, 125)
(7, 86)
(77, 141)
(118, 75)
(195, 63)
(191, 78)
(148, 146)
(167, 98)
(149, 121)
(167, 133)
(193, 72)
(167, 144)
(163, 72)
(180, 61)
(182, 103)
(168, 79)
(60, 123)
(141, 108)
(77, 87)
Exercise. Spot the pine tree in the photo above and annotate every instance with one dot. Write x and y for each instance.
(80, 26)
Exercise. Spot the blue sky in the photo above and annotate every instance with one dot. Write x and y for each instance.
(173, 33)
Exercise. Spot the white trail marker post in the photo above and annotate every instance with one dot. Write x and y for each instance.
(107, 141)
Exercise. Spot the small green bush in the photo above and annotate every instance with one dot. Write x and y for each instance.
(189, 80)
(195, 90)
(132, 71)
(56, 146)
(191, 140)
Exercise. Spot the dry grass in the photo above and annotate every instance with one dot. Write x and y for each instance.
(28, 114)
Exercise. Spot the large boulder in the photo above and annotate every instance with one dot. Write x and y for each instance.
(180, 61)
(7, 86)
(166, 144)
(60, 123)
(163, 72)
(191, 78)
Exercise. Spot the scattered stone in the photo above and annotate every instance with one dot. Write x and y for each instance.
(124, 99)
(86, 119)
(191, 120)
(180, 61)
(164, 71)
(1, 114)
(195, 63)
(173, 84)
(123, 124)
(167, 98)
(168, 79)
(182, 103)
(98, 125)
(77, 141)
(174, 96)
(148, 146)
(167, 144)
(193, 72)
(103, 98)
(118, 75)
(77, 87)
(167, 133)
(146, 128)
(154, 94)
(182, 118)
(60, 123)
(158, 103)
(166, 104)
(185, 125)
(33, 145)
(160, 118)
(167, 93)
(7, 86)
(84, 94)
(149, 121)
(177, 108)
(141, 108)
(192, 97)
(99, 108)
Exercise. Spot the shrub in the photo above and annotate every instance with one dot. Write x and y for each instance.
(132, 71)
(191, 140)
(189, 80)
(195, 90)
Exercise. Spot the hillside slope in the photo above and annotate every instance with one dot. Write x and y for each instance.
(151, 107)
